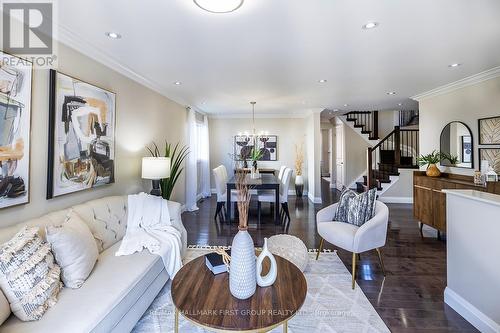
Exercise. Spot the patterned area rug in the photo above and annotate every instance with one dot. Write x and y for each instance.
(330, 306)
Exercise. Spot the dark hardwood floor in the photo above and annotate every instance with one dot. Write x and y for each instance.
(408, 299)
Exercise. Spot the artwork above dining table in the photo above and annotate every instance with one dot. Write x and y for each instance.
(267, 144)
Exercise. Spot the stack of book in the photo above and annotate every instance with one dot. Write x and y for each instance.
(215, 264)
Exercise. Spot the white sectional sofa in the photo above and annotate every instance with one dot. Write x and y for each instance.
(119, 289)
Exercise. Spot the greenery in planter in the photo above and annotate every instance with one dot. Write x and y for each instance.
(255, 155)
(177, 156)
(432, 158)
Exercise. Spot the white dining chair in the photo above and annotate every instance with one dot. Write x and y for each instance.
(220, 176)
(270, 196)
(371, 235)
(282, 170)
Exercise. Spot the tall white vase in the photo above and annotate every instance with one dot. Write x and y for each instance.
(266, 281)
(242, 279)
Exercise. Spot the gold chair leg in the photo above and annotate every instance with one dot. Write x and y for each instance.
(320, 248)
(381, 260)
(354, 257)
(285, 327)
(176, 324)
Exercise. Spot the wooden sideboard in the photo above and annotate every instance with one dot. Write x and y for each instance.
(429, 202)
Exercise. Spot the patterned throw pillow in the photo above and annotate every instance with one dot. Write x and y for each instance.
(356, 208)
(29, 277)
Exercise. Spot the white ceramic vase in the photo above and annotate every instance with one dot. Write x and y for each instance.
(242, 279)
(299, 180)
(266, 281)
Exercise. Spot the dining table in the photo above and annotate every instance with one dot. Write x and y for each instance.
(265, 182)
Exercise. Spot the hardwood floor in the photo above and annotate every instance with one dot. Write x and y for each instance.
(409, 299)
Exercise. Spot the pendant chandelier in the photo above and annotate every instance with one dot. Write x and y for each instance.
(253, 135)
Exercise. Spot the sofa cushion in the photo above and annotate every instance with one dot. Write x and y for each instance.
(106, 218)
(4, 308)
(29, 276)
(109, 292)
(74, 248)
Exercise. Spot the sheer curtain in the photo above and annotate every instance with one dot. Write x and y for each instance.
(197, 162)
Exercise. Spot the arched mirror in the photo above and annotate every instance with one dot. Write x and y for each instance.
(457, 146)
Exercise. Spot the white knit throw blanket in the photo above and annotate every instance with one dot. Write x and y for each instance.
(149, 227)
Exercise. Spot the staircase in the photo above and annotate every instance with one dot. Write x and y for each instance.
(399, 149)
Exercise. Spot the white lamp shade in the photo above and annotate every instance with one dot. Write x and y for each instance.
(155, 167)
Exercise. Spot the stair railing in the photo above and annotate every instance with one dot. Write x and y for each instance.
(398, 149)
(366, 120)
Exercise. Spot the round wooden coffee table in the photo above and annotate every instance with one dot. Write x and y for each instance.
(205, 299)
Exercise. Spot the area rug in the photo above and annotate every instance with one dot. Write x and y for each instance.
(330, 306)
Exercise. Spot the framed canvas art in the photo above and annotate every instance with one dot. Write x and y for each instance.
(81, 136)
(492, 155)
(15, 129)
(489, 131)
(268, 145)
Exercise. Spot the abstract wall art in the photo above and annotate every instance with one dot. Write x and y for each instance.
(268, 145)
(489, 131)
(81, 136)
(492, 155)
(15, 129)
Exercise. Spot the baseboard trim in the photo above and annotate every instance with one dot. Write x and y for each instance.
(472, 314)
(313, 199)
(396, 199)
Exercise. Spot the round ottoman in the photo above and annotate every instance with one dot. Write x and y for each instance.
(291, 248)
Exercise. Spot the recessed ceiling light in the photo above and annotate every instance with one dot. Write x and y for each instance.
(346, 104)
(219, 6)
(370, 25)
(391, 93)
(400, 104)
(177, 83)
(335, 110)
(113, 35)
(454, 65)
(323, 81)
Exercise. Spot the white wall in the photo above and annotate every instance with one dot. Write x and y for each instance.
(290, 131)
(386, 122)
(402, 190)
(141, 116)
(467, 104)
(354, 156)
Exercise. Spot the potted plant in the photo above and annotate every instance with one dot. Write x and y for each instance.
(299, 161)
(255, 155)
(430, 160)
(177, 156)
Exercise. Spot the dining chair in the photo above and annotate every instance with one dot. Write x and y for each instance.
(220, 176)
(269, 196)
(371, 235)
(282, 170)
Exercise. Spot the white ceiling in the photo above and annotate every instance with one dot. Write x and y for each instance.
(275, 51)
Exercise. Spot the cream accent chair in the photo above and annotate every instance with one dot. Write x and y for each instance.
(371, 235)
(270, 196)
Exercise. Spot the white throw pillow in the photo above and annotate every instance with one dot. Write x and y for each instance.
(29, 278)
(74, 248)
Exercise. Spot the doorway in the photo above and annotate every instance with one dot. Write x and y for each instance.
(339, 157)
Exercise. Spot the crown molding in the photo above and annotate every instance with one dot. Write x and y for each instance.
(78, 43)
(298, 115)
(468, 81)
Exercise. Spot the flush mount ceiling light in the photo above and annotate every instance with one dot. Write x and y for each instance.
(323, 81)
(370, 25)
(391, 93)
(454, 65)
(113, 35)
(219, 6)
(177, 83)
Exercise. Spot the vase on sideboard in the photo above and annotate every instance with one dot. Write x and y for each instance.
(433, 171)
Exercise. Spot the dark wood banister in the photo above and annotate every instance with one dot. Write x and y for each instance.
(397, 147)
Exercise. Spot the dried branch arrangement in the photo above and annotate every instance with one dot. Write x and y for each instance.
(299, 158)
(244, 196)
